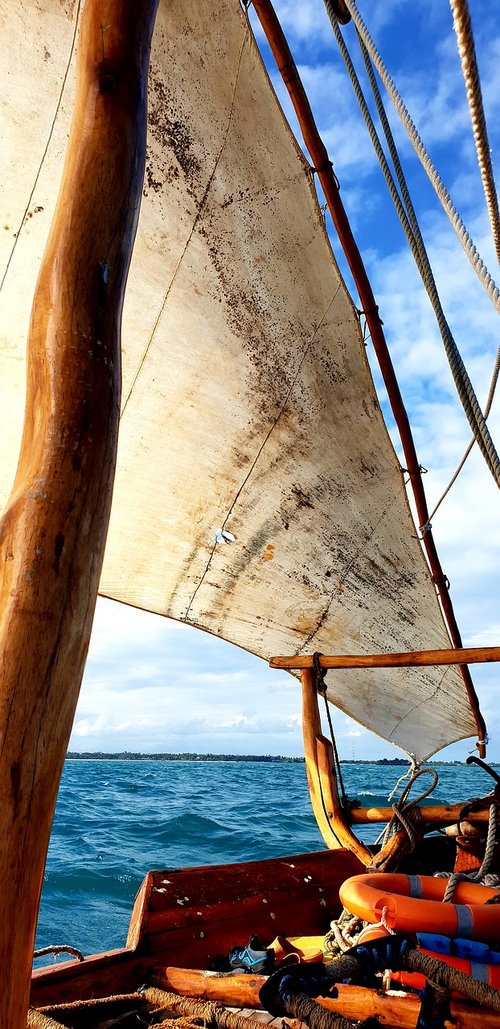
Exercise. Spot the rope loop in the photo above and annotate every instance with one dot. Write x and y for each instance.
(59, 950)
(404, 812)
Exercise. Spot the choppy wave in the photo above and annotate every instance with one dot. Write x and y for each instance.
(117, 819)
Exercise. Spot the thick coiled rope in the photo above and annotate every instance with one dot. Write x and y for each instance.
(482, 874)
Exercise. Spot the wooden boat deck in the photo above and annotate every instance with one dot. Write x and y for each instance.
(185, 921)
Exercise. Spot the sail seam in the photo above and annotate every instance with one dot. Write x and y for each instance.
(263, 444)
(421, 703)
(44, 155)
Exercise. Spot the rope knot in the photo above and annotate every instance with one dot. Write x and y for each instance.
(319, 673)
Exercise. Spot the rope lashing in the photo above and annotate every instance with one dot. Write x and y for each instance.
(289, 991)
(436, 181)
(319, 673)
(467, 51)
(411, 228)
(435, 1010)
(362, 964)
(326, 166)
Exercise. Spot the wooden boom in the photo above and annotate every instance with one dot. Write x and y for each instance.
(410, 659)
(53, 532)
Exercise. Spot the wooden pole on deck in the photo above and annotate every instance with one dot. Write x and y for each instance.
(53, 532)
(324, 797)
(353, 1002)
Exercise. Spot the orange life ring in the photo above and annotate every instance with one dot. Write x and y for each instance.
(414, 903)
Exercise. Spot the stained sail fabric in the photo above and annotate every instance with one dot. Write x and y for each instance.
(257, 493)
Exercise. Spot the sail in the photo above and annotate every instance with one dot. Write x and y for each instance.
(257, 492)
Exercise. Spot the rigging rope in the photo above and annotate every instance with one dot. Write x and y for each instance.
(467, 51)
(411, 229)
(432, 173)
(487, 409)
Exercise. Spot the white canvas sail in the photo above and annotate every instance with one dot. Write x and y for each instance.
(257, 493)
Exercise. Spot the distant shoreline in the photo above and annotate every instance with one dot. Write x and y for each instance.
(221, 758)
(215, 758)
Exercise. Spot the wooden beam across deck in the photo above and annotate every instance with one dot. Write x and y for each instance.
(409, 659)
(434, 814)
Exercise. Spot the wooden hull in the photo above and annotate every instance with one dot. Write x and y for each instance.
(184, 921)
(190, 917)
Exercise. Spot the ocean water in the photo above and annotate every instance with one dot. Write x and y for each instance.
(115, 820)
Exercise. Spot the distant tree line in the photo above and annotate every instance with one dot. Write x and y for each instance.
(127, 755)
(271, 759)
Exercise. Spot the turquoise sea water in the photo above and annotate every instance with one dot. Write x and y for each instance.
(117, 819)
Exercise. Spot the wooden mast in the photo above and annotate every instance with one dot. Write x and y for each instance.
(53, 532)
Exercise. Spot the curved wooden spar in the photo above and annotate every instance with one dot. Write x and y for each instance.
(411, 659)
(327, 811)
(53, 532)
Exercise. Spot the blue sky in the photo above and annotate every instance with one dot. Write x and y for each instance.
(153, 685)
